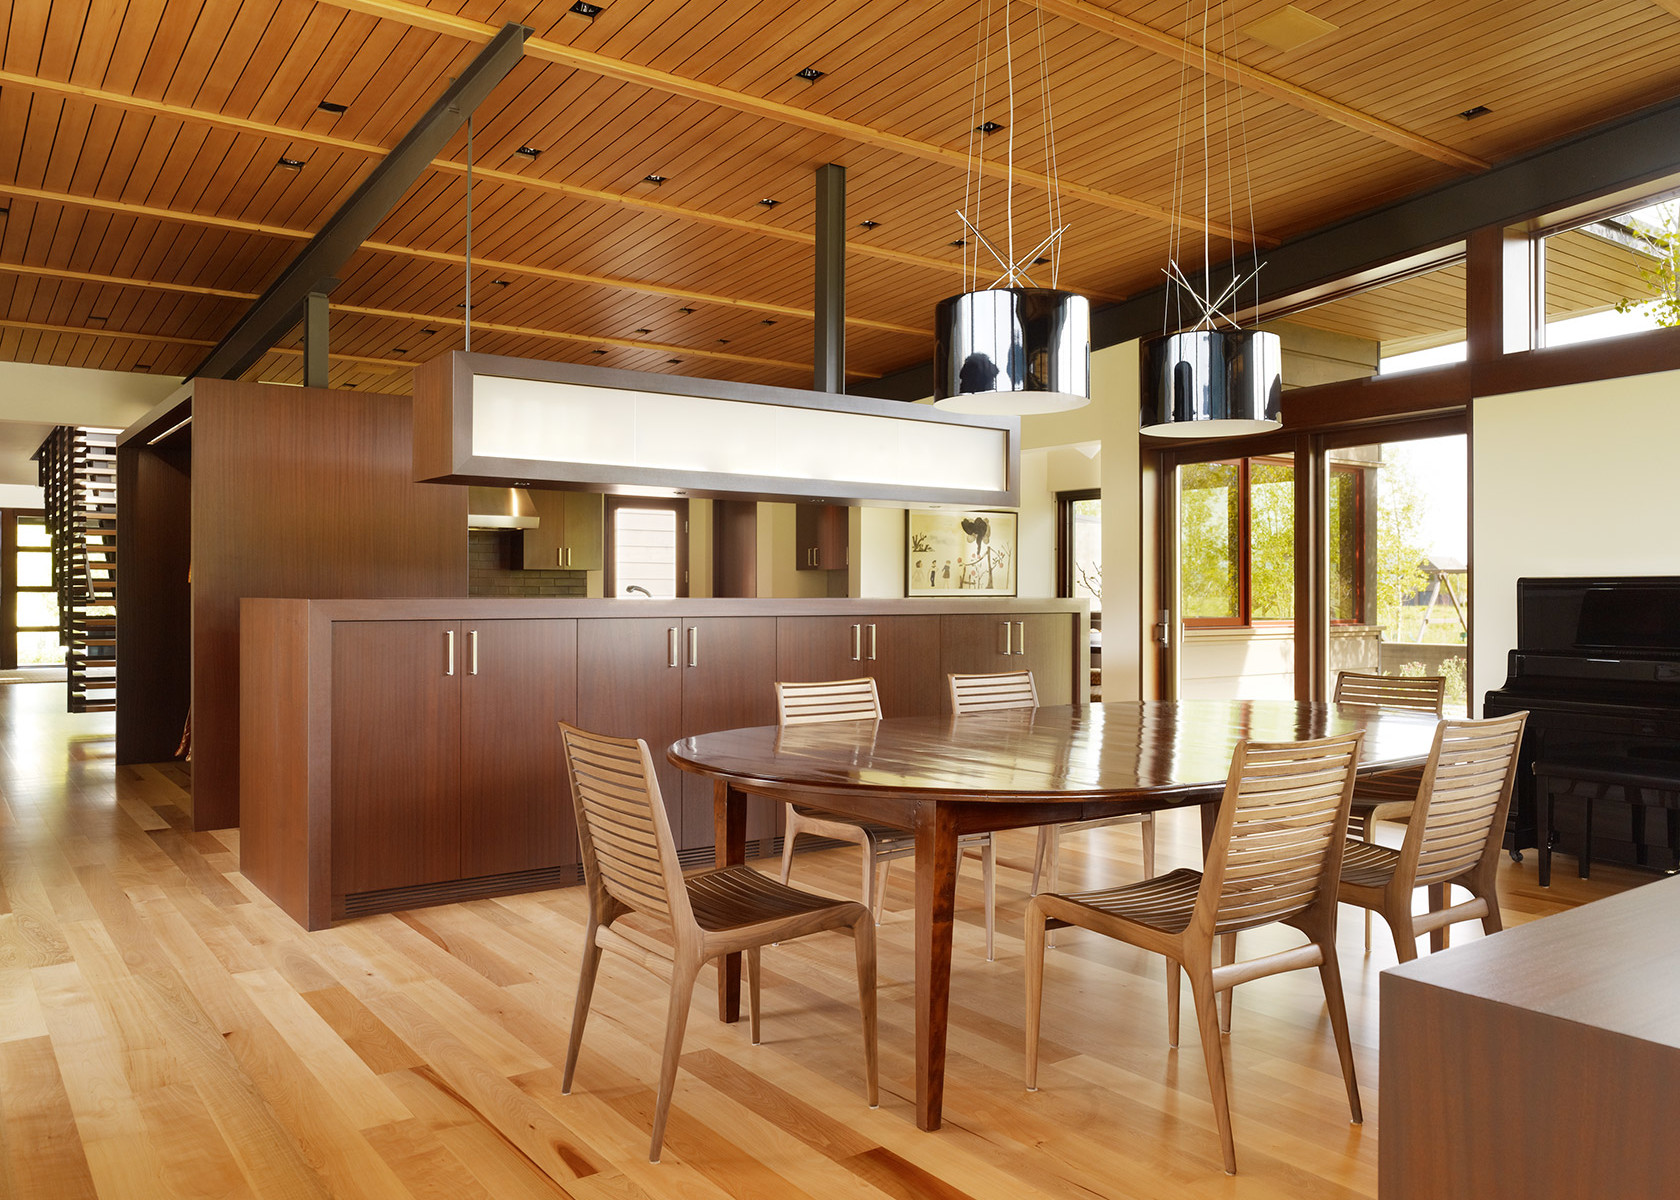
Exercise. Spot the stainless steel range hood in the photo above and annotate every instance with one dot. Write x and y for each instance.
(500, 508)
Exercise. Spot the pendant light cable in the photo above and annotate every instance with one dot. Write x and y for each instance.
(469, 233)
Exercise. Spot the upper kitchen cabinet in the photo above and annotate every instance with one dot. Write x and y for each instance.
(568, 535)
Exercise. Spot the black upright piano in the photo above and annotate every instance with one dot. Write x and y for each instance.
(1597, 665)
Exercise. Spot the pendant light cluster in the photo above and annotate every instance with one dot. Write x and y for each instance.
(1210, 378)
(1010, 346)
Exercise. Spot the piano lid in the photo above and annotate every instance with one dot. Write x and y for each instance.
(1614, 616)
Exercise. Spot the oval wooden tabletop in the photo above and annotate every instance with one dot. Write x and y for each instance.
(1112, 750)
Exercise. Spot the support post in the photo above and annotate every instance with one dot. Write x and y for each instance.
(830, 355)
(315, 320)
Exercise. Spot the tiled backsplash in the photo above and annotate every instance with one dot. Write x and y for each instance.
(493, 557)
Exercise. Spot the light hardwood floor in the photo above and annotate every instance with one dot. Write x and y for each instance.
(165, 1031)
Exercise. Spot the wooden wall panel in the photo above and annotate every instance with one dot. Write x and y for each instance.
(299, 492)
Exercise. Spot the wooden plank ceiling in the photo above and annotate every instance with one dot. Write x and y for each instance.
(140, 143)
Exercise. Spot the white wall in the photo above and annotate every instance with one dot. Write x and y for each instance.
(1577, 480)
(35, 398)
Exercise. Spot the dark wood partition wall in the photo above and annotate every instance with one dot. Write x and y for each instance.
(294, 492)
(154, 546)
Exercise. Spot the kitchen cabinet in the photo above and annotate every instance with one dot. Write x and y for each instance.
(901, 653)
(569, 534)
(822, 533)
(988, 643)
(448, 762)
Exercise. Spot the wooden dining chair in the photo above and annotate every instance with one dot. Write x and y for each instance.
(1453, 838)
(1275, 856)
(1387, 795)
(1016, 689)
(630, 866)
(858, 700)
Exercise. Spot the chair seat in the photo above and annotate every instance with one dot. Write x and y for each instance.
(735, 897)
(1165, 902)
(1387, 787)
(878, 833)
(1366, 864)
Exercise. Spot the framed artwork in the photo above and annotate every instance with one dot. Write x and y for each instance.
(954, 553)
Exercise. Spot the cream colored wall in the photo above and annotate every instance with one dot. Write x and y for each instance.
(778, 557)
(1576, 480)
(699, 547)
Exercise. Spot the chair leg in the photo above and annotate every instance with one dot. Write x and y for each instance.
(1173, 970)
(580, 1008)
(881, 869)
(1330, 972)
(1147, 827)
(753, 996)
(1367, 931)
(1033, 953)
(863, 938)
(787, 848)
(988, 875)
(1439, 895)
(1207, 1021)
(871, 869)
(1227, 954)
(1398, 914)
(1041, 859)
(676, 1023)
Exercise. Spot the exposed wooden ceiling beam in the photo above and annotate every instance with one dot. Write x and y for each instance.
(1136, 33)
(420, 17)
(421, 318)
(118, 334)
(487, 264)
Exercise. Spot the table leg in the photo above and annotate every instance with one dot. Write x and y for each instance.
(936, 891)
(1210, 819)
(729, 817)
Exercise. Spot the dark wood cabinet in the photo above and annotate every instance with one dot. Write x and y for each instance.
(729, 681)
(823, 536)
(901, 653)
(630, 685)
(569, 535)
(516, 804)
(447, 759)
(396, 766)
(986, 643)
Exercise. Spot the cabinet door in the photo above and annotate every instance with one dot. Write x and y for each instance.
(519, 680)
(822, 535)
(543, 547)
(902, 653)
(987, 643)
(729, 681)
(396, 754)
(630, 685)
(813, 649)
(585, 539)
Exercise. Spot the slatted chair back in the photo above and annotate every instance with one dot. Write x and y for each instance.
(1277, 846)
(987, 693)
(1414, 693)
(1467, 787)
(832, 700)
(629, 854)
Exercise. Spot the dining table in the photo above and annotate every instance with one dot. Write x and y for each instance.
(944, 776)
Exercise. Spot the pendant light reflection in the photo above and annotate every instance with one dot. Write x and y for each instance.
(1213, 383)
(1011, 347)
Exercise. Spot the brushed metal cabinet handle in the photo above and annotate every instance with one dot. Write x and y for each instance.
(1021, 637)
(472, 652)
(1008, 640)
(694, 645)
(671, 646)
(857, 643)
(449, 652)
(872, 641)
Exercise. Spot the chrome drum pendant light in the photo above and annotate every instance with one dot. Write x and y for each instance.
(1012, 346)
(1214, 378)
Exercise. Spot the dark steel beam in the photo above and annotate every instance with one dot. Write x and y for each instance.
(278, 309)
(830, 352)
(315, 321)
(1600, 162)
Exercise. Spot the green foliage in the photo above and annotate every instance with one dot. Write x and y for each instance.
(1400, 548)
(1663, 274)
(1271, 521)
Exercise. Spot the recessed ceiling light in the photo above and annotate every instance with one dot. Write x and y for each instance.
(97, 320)
(350, 385)
(656, 180)
(767, 321)
(685, 311)
(597, 352)
(769, 203)
(723, 341)
(673, 361)
(528, 151)
(644, 331)
(1039, 262)
(327, 106)
(868, 224)
(585, 10)
(428, 332)
(1287, 28)
(988, 127)
(502, 282)
(290, 164)
(142, 366)
(1470, 114)
(960, 242)
(399, 350)
(811, 74)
